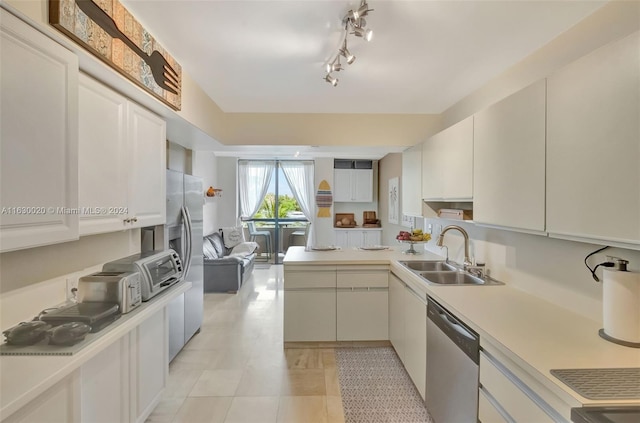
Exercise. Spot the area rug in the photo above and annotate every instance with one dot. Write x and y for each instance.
(376, 388)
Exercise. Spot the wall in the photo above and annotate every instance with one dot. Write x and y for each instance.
(227, 176)
(205, 166)
(390, 167)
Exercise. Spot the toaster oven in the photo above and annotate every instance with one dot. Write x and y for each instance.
(158, 270)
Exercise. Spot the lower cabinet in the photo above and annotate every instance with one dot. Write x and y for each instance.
(335, 303)
(56, 404)
(149, 364)
(104, 385)
(362, 303)
(507, 393)
(408, 329)
(309, 303)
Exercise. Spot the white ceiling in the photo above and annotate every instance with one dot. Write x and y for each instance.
(269, 56)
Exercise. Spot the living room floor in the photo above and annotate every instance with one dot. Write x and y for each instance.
(236, 369)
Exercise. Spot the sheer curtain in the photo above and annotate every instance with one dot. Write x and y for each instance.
(299, 175)
(254, 177)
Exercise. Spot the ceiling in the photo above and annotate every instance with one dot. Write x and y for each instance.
(268, 56)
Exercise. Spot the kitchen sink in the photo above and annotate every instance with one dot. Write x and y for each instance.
(452, 278)
(429, 266)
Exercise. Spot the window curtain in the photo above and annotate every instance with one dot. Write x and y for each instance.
(254, 177)
(299, 175)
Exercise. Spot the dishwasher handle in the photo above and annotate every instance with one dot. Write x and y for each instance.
(461, 335)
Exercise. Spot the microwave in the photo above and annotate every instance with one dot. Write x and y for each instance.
(158, 270)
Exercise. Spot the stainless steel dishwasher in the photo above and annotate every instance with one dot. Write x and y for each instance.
(453, 359)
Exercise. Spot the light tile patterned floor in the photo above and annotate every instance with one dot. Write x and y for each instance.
(236, 369)
(376, 388)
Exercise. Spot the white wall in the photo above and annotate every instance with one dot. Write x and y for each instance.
(205, 166)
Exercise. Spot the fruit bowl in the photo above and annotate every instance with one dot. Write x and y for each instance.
(411, 250)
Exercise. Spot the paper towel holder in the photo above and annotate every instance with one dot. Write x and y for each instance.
(619, 264)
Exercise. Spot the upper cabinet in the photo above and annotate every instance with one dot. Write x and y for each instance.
(38, 129)
(447, 164)
(122, 162)
(593, 147)
(353, 181)
(412, 181)
(509, 161)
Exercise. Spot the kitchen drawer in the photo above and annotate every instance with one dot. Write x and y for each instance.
(363, 278)
(513, 396)
(310, 277)
(488, 409)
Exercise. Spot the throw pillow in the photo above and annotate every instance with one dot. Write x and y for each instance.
(244, 249)
(208, 250)
(232, 236)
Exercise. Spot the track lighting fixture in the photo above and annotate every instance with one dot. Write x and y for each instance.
(354, 21)
(331, 80)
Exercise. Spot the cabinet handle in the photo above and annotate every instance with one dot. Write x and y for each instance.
(127, 220)
(134, 219)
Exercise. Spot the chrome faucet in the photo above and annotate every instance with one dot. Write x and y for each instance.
(439, 242)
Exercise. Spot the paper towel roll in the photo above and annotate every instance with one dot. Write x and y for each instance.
(621, 305)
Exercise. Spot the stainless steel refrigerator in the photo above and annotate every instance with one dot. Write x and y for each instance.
(183, 233)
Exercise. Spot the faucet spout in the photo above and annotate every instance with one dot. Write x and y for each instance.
(439, 242)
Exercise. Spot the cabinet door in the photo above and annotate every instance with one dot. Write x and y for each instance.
(342, 239)
(509, 161)
(342, 185)
(415, 309)
(107, 372)
(362, 314)
(103, 158)
(447, 163)
(151, 364)
(362, 185)
(147, 181)
(60, 403)
(412, 181)
(593, 147)
(371, 238)
(310, 315)
(39, 132)
(396, 315)
(355, 238)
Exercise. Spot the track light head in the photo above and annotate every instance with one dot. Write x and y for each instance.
(335, 65)
(367, 34)
(331, 80)
(347, 54)
(360, 12)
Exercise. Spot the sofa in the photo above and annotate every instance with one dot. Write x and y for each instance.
(226, 269)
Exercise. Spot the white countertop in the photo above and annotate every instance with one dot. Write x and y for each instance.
(23, 378)
(537, 335)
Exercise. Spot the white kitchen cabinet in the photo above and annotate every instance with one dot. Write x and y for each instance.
(122, 162)
(57, 404)
(150, 364)
(512, 393)
(310, 303)
(412, 181)
(355, 238)
(39, 132)
(408, 329)
(362, 303)
(447, 164)
(106, 372)
(396, 315)
(593, 147)
(353, 185)
(509, 161)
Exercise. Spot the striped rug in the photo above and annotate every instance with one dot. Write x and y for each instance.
(376, 388)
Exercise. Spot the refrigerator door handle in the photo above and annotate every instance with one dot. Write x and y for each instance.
(186, 220)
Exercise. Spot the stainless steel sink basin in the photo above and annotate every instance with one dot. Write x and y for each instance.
(429, 266)
(452, 278)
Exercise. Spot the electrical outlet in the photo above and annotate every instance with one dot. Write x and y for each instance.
(72, 287)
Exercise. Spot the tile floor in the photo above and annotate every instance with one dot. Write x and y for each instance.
(236, 369)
